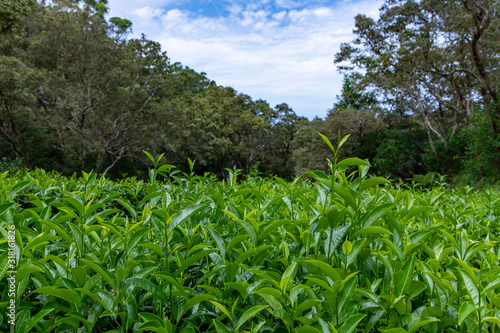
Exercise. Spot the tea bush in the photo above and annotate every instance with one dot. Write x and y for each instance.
(343, 252)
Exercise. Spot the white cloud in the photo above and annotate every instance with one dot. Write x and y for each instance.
(280, 15)
(289, 3)
(286, 56)
(148, 12)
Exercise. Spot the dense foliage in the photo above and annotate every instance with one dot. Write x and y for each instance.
(77, 94)
(437, 60)
(186, 253)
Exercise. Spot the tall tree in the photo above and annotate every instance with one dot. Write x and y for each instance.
(438, 58)
(17, 78)
(281, 140)
(95, 86)
(12, 12)
(218, 127)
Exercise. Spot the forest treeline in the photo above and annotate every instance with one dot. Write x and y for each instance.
(420, 94)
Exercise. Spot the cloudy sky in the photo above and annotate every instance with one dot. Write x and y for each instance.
(276, 50)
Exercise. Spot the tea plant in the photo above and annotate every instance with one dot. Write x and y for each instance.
(344, 252)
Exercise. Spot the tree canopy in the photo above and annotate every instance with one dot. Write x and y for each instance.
(420, 94)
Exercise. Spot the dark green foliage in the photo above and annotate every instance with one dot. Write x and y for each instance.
(482, 159)
(449, 157)
(10, 164)
(310, 150)
(11, 14)
(436, 62)
(100, 100)
(395, 153)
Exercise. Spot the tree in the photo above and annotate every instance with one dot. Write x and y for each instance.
(355, 96)
(95, 88)
(17, 78)
(16, 102)
(311, 151)
(11, 14)
(218, 127)
(281, 140)
(438, 59)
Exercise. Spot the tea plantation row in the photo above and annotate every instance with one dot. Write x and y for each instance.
(185, 253)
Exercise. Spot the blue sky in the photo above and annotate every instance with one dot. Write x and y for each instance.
(276, 50)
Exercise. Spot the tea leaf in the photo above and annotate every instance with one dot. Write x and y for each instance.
(249, 314)
(65, 294)
(351, 323)
(148, 286)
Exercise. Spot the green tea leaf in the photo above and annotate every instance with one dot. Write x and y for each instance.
(190, 303)
(36, 319)
(65, 294)
(222, 308)
(128, 207)
(307, 329)
(351, 161)
(219, 327)
(373, 181)
(183, 215)
(346, 293)
(136, 238)
(6, 206)
(26, 270)
(420, 323)
(493, 285)
(471, 286)
(193, 259)
(328, 142)
(148, 286)
(287, 276)
(372, 230)
(18, 187)
(249, 314)
(131, 309)
(375, 214)
(408, 270)
(173, 282)
(465, 309)
(494, 320)
(104, 273)
(327, 269)
(217, 197)
(351, 323)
